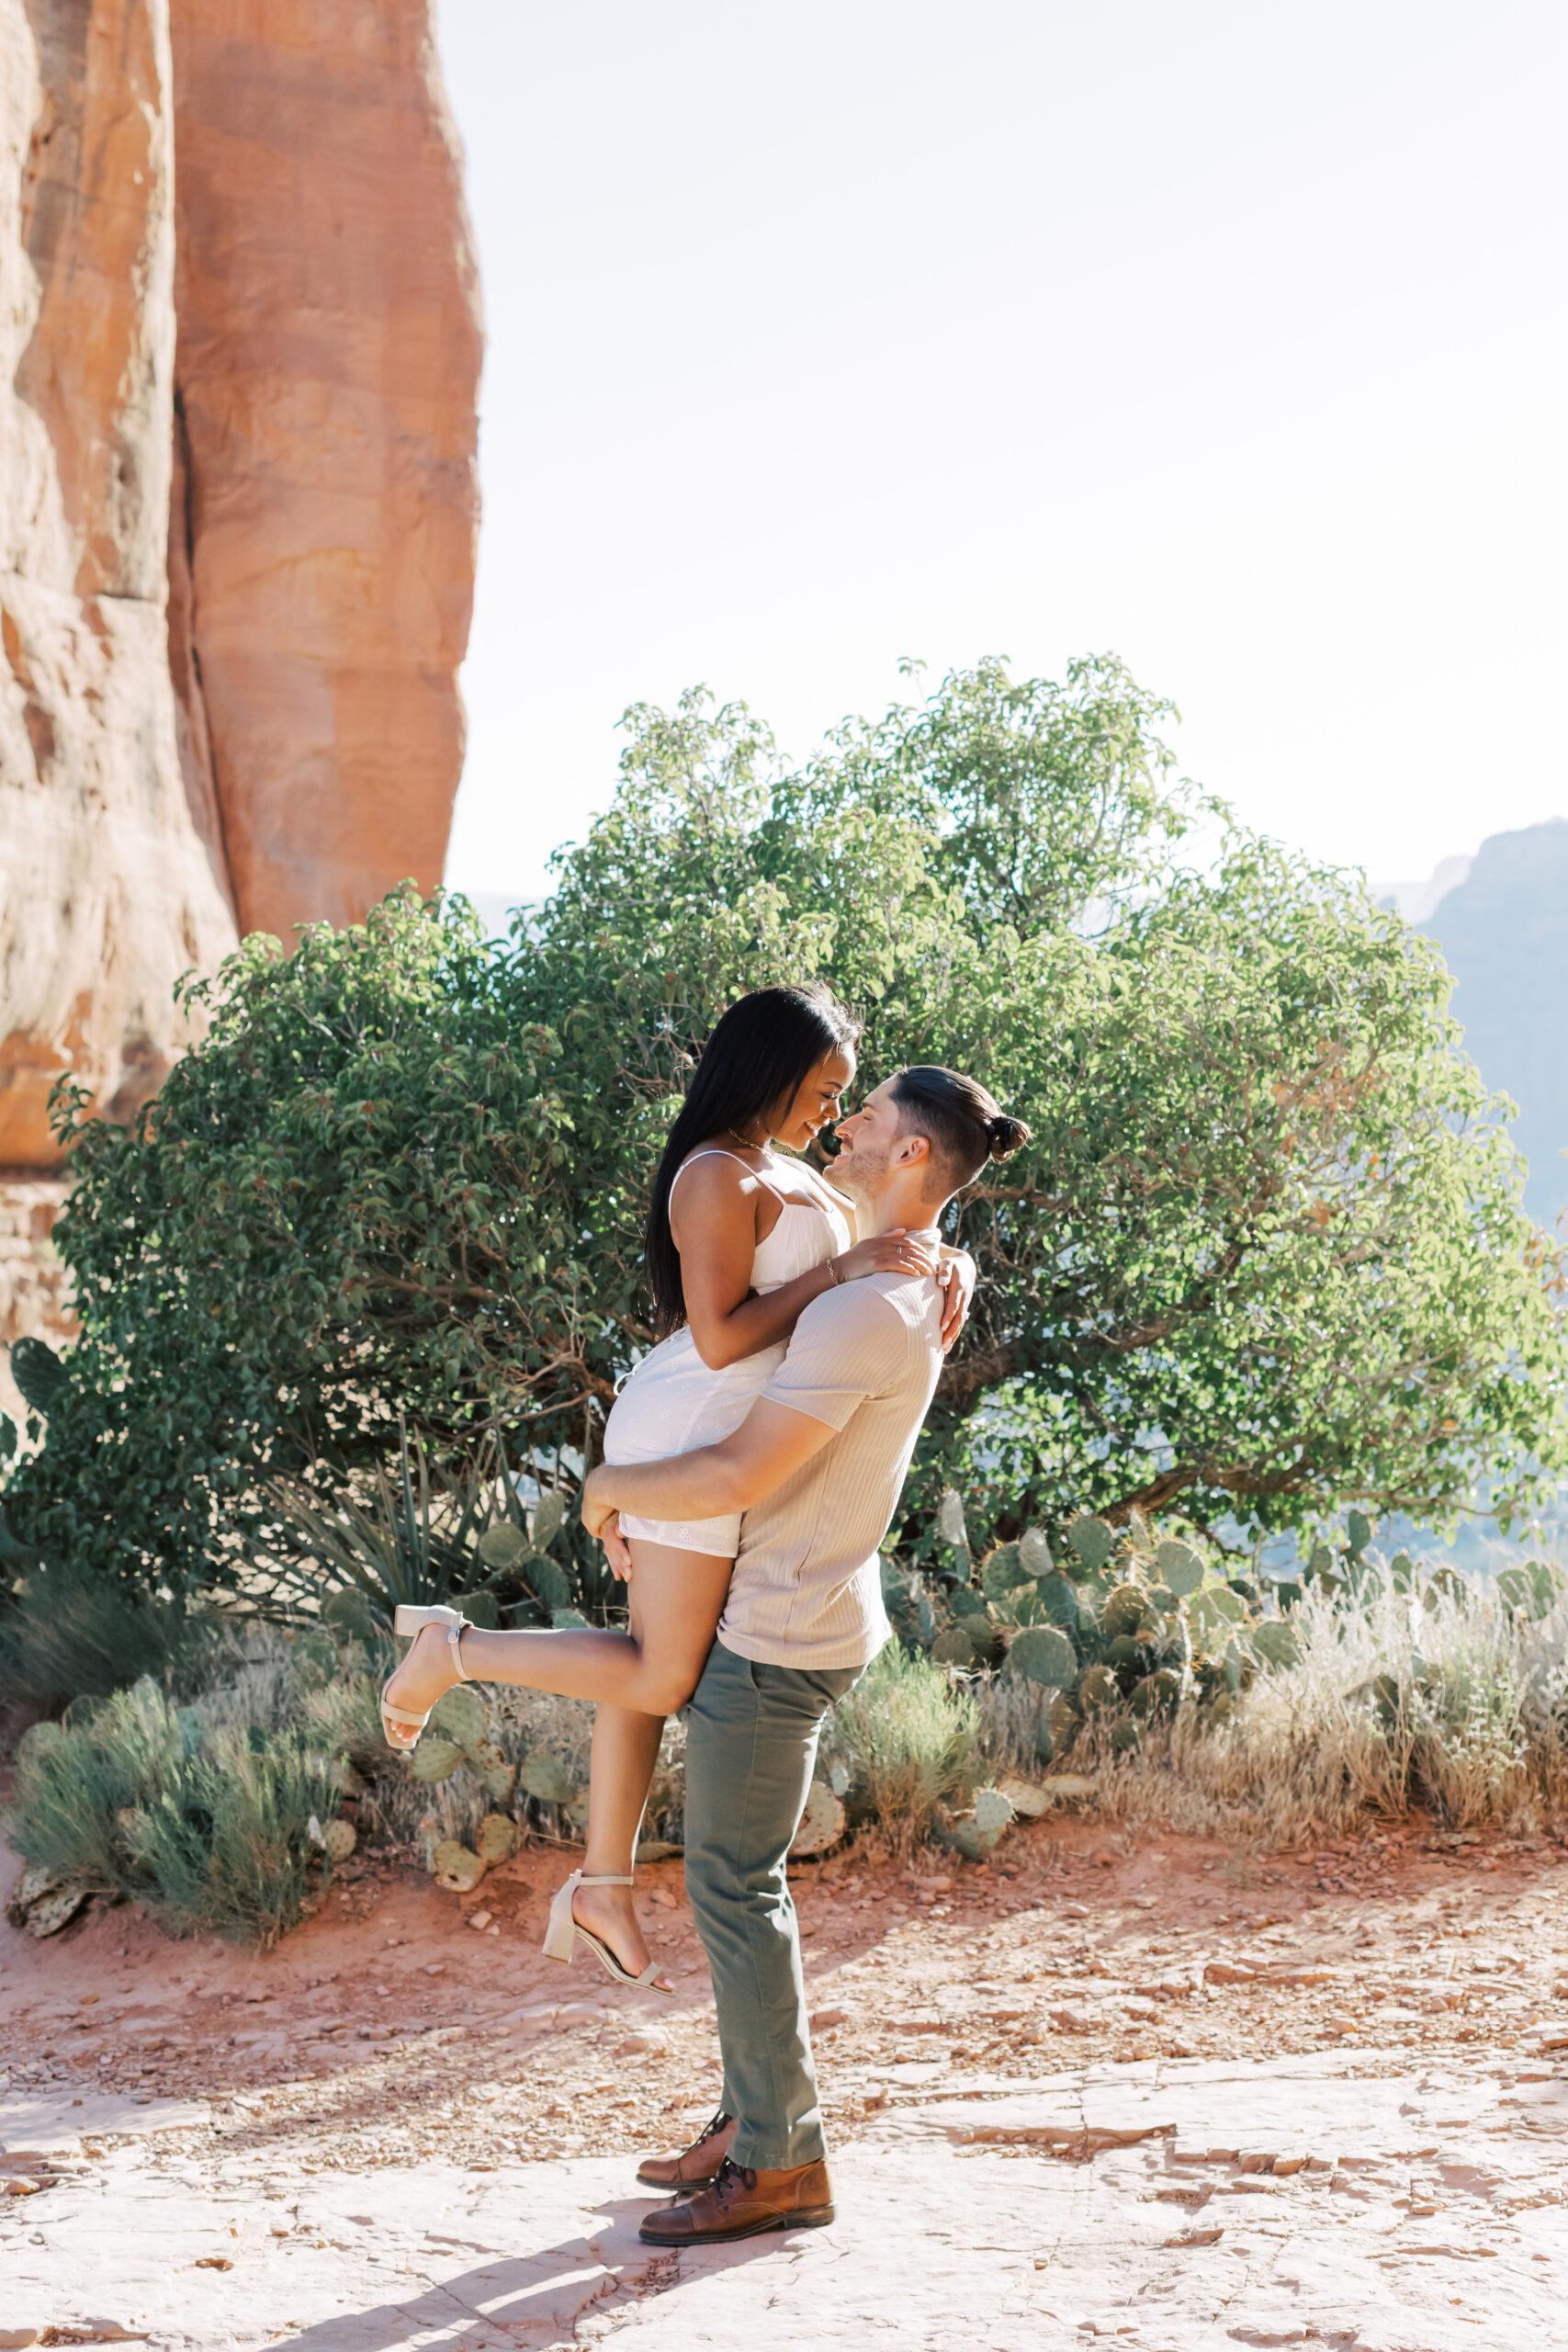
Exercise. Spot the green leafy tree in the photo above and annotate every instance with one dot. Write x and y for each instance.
(1266, 1252)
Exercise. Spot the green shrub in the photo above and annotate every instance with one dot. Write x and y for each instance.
(69, 1633)
(908, 1734)
(1264, 1248)
(202, 1812)
(78, 1783)
(227, 1843)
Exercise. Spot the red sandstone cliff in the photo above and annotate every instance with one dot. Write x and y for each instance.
(277, 739)
(107, 888)
(327, 369)
(240, 346)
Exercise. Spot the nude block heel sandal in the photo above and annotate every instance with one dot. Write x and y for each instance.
(564, 1933)
(409, 1622)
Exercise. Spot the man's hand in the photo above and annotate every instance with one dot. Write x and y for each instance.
(618, 1551)
(956, 1278)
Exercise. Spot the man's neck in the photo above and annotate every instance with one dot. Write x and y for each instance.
(902, 1203)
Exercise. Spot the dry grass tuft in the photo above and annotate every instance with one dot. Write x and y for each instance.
(1446, 1699)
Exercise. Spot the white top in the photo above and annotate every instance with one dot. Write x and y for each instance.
(807, 1233)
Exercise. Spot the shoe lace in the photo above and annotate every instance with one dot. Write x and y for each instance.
(731, 2179)
(711, 2131)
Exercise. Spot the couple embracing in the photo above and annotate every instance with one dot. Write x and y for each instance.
(754, 1464)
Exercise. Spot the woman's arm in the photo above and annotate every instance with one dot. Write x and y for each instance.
(713, 1216)
(956, 1277)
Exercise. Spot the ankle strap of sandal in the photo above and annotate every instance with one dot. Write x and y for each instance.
(454, 1644)
(605, 1880)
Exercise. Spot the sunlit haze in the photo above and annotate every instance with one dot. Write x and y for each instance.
(1226, 338)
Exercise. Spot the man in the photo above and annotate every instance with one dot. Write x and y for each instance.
(817, 1468)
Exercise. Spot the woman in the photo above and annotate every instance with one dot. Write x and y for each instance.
(738, 1242)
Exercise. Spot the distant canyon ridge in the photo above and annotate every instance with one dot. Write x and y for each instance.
(239, 311)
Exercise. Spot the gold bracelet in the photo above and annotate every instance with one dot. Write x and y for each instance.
(834, 1276)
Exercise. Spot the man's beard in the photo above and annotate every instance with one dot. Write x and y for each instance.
(862, 1173)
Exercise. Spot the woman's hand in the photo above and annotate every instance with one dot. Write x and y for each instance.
(897, 1253)
(956, 1277)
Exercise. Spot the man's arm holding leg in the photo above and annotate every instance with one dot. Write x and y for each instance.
(773, 1443)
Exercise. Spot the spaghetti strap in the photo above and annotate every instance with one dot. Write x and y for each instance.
(717, 1151)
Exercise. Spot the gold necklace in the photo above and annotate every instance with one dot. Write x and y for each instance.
(746, 1141)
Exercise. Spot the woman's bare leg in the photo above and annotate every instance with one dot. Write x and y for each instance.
(637, 1677)
(626, 1749)
(652, 1667)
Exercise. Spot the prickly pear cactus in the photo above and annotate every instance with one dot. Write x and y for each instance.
(1090, 1542)
(992, 1813)
(339, 1839)
(541, 1775)
(459, 1734)
(1122, 1625)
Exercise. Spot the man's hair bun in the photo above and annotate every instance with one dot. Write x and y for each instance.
(1005, 1136)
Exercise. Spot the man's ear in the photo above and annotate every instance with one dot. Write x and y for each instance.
(911, 1150)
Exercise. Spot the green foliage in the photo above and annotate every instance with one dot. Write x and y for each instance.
(209, 1826)
(1265, 1250)
(38, 1373)
(66, 1635)
(427, 1535)
(908, 1735)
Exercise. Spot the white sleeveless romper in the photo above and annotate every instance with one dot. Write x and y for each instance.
(673, 1402)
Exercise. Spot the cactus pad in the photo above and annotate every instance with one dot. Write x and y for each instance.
(549, 1518)
(498, 1839)
(459, 1715)
(1090, 1542)
(1045, 1655)
(1276, 1644)
(1157, 1694)
(338, 1838)
(1179, 1566)
(1098, 1688)
(503, 1545)
(1003, 1573)
(542, 1776)
(456, 1869)
(956, 1645)
(1124, 1610)
(434, 1759)
(548, 1583)
(992, 1813)
(822, 1823)
(1035, 1553)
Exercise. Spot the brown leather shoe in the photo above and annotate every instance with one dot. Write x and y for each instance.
(695, 2165)
(741, 2203)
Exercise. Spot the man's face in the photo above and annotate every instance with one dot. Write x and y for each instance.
(868, 1140)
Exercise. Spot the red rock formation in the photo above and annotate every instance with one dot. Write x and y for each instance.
(327, 368)
(108, 890)
(258, 713)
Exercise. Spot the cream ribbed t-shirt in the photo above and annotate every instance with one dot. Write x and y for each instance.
(807, 1589)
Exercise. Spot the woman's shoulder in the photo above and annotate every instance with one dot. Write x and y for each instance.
(713, 1171)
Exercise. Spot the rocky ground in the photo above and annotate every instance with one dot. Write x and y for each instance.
(1135, 2087)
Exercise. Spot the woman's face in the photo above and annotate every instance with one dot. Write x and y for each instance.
(816, 1100)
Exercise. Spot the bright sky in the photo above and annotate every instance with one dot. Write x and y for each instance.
(1227, 337)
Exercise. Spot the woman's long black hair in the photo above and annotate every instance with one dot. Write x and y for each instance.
(759, 1054)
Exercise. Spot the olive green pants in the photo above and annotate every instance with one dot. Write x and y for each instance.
(751, 1740)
